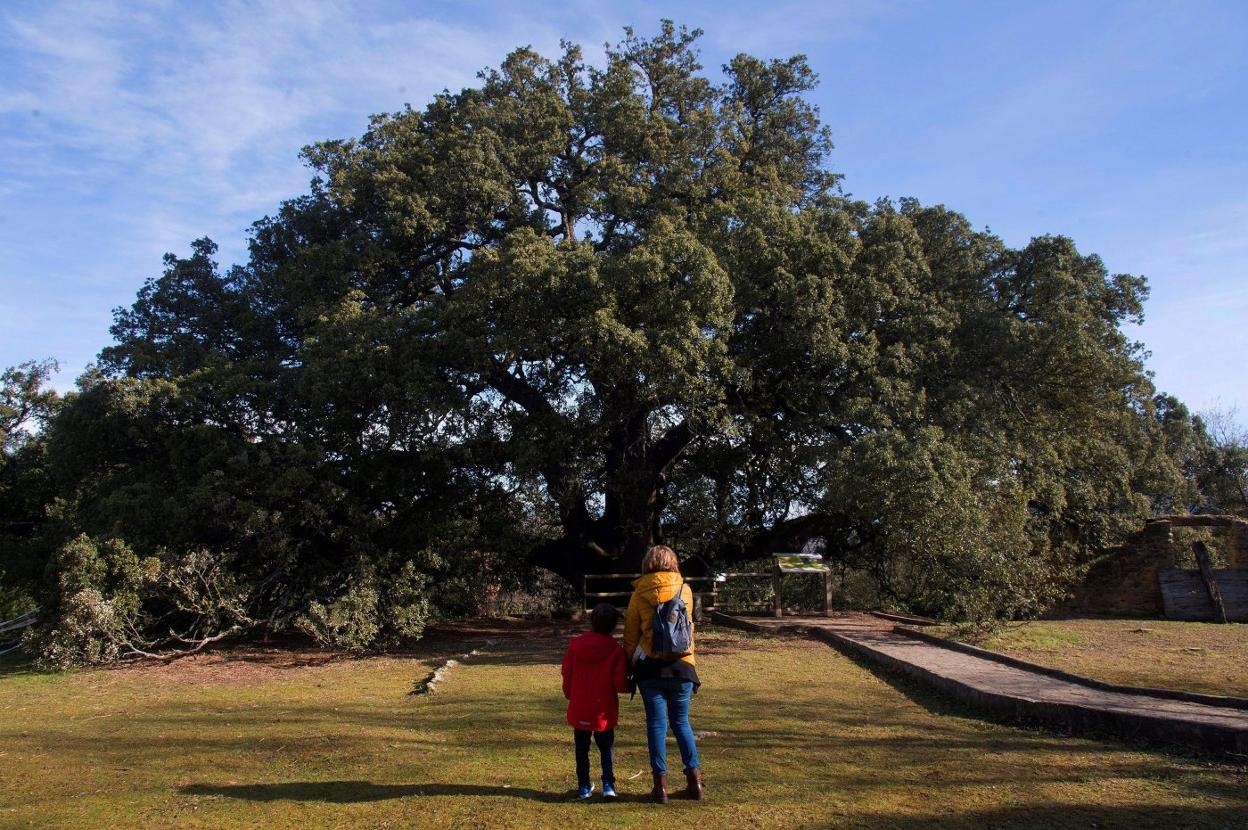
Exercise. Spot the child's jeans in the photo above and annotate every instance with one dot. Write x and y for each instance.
(668, 698)
(606, 743)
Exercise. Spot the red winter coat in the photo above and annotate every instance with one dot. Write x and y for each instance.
(594, 670)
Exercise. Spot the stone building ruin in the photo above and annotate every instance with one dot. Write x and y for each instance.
(1153, 573)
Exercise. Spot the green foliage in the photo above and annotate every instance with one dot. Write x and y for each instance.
(97, 599)
(24, 402)
(952, 537)
(1208, 460)
(1222, 461)
(349, 621)
(26, 406)
(369, 612)
(105, 603)
(13, 601)
(405, 604)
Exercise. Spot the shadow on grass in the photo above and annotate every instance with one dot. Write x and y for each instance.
(1049, 816)
(351, 792)
(965, 757)
(15, 663)
(537, 654)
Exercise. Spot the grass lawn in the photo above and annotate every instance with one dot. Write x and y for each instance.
(793, 736)
(1196, 657)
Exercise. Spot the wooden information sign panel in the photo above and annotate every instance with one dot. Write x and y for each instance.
(800, 563)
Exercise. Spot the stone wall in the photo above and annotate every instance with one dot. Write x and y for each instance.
(1124, 582)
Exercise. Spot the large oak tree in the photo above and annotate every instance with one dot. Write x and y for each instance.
(582, 309)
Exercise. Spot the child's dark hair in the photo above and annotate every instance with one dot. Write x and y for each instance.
(604, 618)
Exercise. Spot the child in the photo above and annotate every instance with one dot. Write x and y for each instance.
(595, 669)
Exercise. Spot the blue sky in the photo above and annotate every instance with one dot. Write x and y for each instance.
(129, 128)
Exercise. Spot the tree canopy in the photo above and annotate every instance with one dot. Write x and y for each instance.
(576, 310)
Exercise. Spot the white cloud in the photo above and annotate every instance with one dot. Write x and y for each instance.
(130, 127)
(219, 98)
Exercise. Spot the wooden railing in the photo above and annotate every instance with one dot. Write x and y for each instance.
(706, 590)
(759, 576)
(591, 598)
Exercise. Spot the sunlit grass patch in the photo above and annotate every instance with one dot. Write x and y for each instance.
(1202, 657)
(1039, 637)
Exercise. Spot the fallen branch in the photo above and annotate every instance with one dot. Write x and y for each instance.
(139, 649)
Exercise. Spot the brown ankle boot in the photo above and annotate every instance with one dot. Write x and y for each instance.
(693, 779)
(659, 793)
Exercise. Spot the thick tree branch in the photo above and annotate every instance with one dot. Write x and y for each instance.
(788, 535)
(668, 448)
(520, 392)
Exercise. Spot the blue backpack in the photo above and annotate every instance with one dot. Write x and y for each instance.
(673, 636)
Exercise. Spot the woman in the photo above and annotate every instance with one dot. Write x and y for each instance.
(666, 685)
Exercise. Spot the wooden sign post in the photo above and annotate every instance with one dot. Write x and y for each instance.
(800, 563)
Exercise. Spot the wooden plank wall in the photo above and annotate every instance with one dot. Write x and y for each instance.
(1185, 596)
(1234, 585)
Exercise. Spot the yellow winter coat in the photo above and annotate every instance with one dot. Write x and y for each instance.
(648, 591)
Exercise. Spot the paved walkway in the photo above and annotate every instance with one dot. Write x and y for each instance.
(1026, 693)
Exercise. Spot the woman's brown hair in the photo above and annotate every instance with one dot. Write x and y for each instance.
(660, 558)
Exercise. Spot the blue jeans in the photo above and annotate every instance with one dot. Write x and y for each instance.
(668, 698)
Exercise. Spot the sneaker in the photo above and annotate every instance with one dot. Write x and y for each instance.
(608, 792)
(585, 791)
